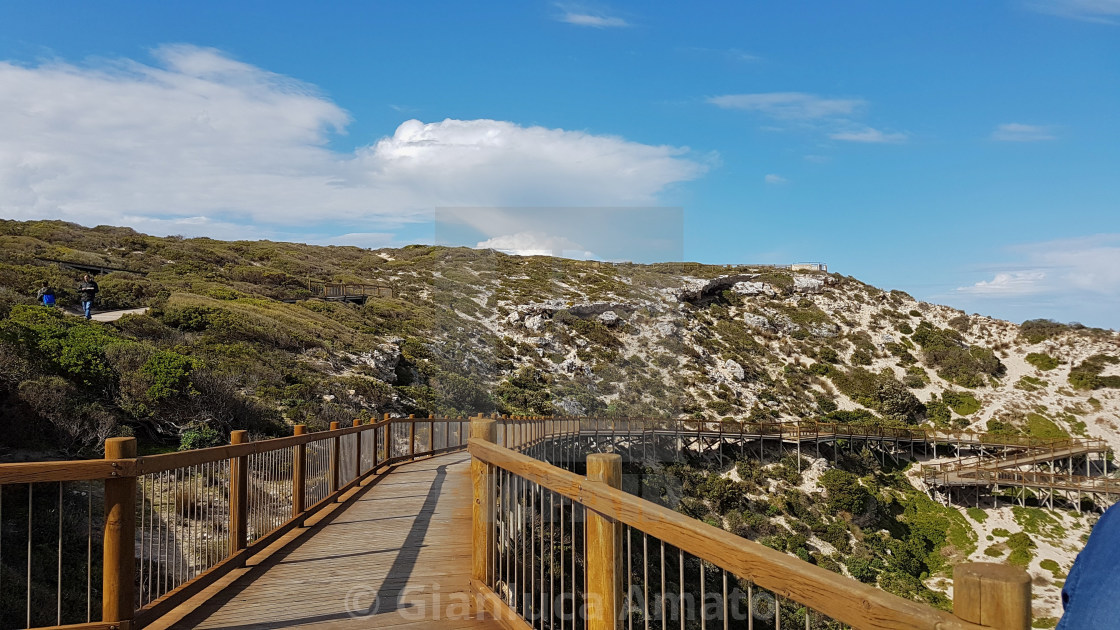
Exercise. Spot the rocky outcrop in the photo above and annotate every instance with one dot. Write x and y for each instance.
(697, 290)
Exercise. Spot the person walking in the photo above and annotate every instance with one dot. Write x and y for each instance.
(45, 296)
(88, 290)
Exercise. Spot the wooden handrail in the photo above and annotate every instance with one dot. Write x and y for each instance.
(121, 468)
(841, 598)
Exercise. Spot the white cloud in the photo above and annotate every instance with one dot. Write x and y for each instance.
(1102, 11)
(198, 143)
(536, 244)
(1076, 278)
(869, 135)
(581, 16)
(1009, 283)
(789, 105)
(771, 178)
(1017, 132)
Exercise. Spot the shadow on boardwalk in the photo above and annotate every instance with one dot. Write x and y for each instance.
(398, 555)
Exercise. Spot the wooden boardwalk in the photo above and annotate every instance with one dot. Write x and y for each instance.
(397, 555)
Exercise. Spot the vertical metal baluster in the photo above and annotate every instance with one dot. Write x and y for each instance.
(726, 616)
(58, 594)
(664, 620)
(703, 598)
(562, 563)
(680, 560)
(750, 605)
(645, 579)
(532, 535)
(777, 612)
(150, 500)
(572, 581)
(30, 493)
(629, 578)
(551, 558)
(89, 550)
(2, 541)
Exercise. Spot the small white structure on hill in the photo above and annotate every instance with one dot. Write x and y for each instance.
(812, 266)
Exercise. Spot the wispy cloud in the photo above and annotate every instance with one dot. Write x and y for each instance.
(1018, 132)
(536, 244)
(1100, 11)
(1009, 283)
(582, 16)
(835, 117)
(772, 178)
(729, 54)
(1078, 275)
(200, 144)
(789, 105)
(869, 135)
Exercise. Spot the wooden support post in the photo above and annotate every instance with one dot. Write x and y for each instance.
(357, 450)
(336, 456)
(238, 495)
(483, 509)
(299, 465)
(994, 595)
(412, 436)
(604, 549)
(118, 569)
(431, 434)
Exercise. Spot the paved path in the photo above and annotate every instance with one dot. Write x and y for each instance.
(108, 316)
(403, 542)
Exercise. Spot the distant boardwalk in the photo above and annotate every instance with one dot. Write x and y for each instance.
(403, 542)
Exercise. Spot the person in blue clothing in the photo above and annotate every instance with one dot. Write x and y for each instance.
(1091, 595)
(45, 296)
(88, 290)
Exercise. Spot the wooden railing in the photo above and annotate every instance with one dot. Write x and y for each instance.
(553, 549)
(171, 524)
(344, 289)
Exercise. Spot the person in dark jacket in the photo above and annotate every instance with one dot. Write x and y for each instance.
(1091, 594)
(88, 290)
(45, 296)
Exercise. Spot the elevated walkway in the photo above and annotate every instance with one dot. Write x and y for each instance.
(394, 556)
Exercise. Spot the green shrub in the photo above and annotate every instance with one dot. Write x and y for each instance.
(199, 436)
(1038, 330)
(1087, 375)
(954, 361)
(964, 403)
(1042, 361)
(844, 491)
(1021, 545)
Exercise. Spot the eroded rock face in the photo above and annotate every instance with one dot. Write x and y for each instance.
(807, 284)
(757, 321)
(696, 290)
(754, 288)
(733, 369)
(610, 318)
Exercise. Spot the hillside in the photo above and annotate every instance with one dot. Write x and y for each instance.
(479, 331)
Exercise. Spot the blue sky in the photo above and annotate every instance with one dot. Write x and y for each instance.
(965, 152)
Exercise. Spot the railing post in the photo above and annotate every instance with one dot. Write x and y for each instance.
(482, 512)
(388, 437)
(118, 569)
(238, 495)
(412, 436)
(604, 549)
(336, 457)
(995, 595)
(299, 464)
(357, 449)
(431, 434)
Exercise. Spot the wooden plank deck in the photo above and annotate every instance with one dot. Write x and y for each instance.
(398, 555)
